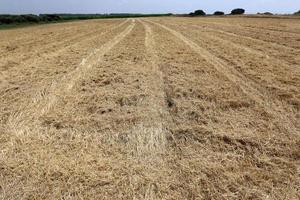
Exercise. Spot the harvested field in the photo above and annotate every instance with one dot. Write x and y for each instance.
(156, 108)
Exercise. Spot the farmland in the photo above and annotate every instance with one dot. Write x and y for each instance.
(151, 108)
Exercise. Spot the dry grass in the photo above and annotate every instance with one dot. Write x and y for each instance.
(162, 108)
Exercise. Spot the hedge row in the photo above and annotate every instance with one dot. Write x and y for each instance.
(13, 19)
(17, 19)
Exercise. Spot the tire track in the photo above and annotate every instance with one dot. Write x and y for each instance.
(147, 140)
(250, 38)
(246, 48)
(249, 27)
(80, 33)
(65, 44)
(155, 123)
(243, 47)
(249, 88)
(36, 66)
(66, 29)
(260, 27)
(45, 100)
(69, 80)
(221, 43)
(272, 29)
(279, 46)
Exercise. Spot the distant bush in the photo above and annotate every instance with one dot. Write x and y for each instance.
(197, 13)
(50, 17)
(30, 18)
(219, 13)
(45, 18)
(268, 13)
(6, 19)
(265, 13)
(297, 13)
(238, 11)
(14, 19)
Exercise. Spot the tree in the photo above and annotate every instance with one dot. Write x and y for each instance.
(11, 19)
(297, 13)
(30, 18)
(191, 14)
(238, 11)
(268, 13)
(219, 13)
(199, 13)
(50, 17)
(6, 20)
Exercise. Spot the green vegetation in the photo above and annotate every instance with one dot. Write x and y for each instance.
(112, 15)
(11, 21)
(265, 13)
(197, 13)
(297, 13)
(237, 11)
(268, 13)
(219, 13)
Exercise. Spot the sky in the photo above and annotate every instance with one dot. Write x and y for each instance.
(145, 6)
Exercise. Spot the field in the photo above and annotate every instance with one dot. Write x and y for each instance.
(151, 108)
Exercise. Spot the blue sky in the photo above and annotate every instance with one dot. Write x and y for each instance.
(144, 6)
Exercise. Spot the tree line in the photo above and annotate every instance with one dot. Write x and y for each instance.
(237, 11)
(44, 18)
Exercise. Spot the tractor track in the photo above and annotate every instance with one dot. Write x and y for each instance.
(273, 42)
(47, 98)
(62, 45)
(248, 86)
(262, 52)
